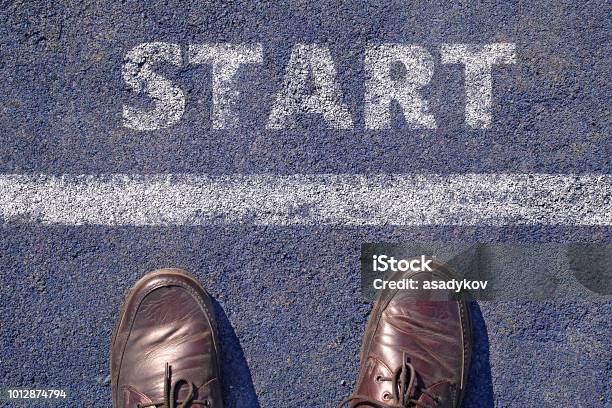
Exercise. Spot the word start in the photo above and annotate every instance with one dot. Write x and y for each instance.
(310, 83)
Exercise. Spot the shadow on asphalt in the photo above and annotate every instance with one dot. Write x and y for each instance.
(479, 393)
(238, 389)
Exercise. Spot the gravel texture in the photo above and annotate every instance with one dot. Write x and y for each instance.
(287, 297)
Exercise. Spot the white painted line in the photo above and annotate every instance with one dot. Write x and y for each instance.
(265, 199)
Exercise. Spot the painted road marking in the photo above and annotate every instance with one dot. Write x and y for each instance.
(310, 83)
(341, 199)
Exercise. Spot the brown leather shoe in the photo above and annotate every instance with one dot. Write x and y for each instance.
(165, 351)
(416, 350)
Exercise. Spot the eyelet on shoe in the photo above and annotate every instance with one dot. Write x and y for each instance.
(386, 396)
(379, 378)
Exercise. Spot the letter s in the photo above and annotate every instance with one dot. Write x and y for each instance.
(383, 263)
(169, 99)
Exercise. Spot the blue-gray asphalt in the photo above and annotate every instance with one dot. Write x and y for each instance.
(288, 298)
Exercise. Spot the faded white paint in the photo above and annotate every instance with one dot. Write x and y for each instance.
(310, 85)
(351, 200)
(382, 88)
(226, 59)
(310, 63)
(478, 61)
(168, 99)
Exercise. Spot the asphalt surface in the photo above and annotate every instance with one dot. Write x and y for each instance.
(288, 298)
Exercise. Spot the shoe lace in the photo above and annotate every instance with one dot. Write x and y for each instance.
(404, 384)
(170, 390)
